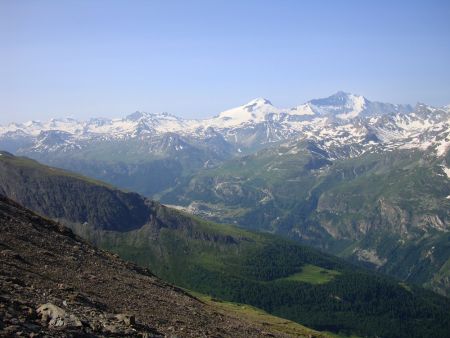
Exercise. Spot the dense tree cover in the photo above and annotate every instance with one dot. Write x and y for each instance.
(352, 303)
(281, 258)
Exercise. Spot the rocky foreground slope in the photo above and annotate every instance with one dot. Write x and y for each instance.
(54, 284)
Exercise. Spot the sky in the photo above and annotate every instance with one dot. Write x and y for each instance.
(92, 58)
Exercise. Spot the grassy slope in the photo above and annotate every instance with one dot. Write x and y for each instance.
(247, 267)
(313, 274)
(255, 315)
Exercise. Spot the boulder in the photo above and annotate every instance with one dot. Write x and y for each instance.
(57, 317)
(126, 319)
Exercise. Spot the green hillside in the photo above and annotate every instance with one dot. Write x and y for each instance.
(276, 275)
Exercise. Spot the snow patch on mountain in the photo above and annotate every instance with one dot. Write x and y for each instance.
(446, 170)
(304, 109)
(355, 105)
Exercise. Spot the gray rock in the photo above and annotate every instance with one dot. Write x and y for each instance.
(57, 317)
(126, 319)
(51, 313)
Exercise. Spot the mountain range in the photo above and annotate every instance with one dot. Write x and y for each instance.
(342, 125)
(242, 129)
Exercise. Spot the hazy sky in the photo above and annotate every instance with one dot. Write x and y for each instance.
(197, 58)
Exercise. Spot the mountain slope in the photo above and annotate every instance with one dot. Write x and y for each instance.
(388, 210)
(89, 292)
(110, 209)
(265, 271)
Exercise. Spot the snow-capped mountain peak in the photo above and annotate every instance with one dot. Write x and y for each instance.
(252, 112)
(259, 101)
(136, 116)
(341, 105)
(302, 110)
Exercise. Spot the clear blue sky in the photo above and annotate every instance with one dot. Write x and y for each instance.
(196, 58)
